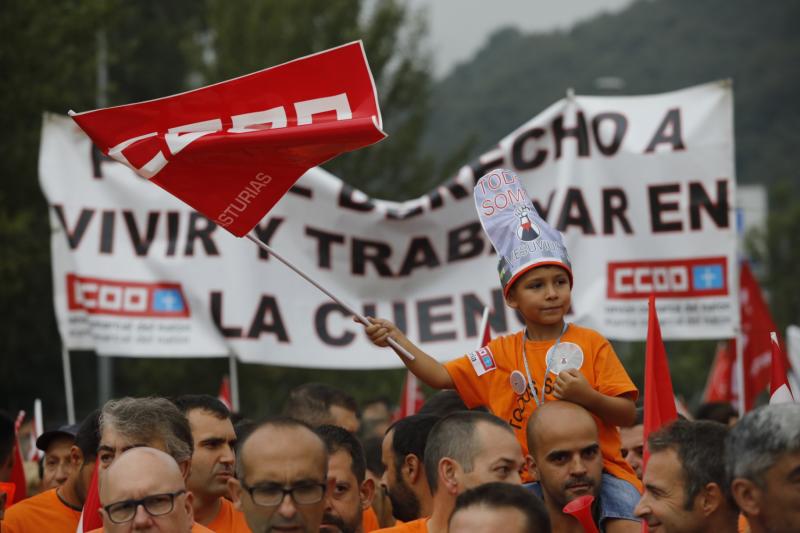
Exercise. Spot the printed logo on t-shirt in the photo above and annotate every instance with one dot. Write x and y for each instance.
(563, 356)
(482, 360)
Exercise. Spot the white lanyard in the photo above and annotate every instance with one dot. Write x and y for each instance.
(531, 382)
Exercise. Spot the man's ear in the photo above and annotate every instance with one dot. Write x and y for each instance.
(235, 490)
(75, 456)
(187, 502)
(411, 466)
(186, 468)
(530, 462)
(710, 498)
(449, 471)
(367, 493)
(747, 495)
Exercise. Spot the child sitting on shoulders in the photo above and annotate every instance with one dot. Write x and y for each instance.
(550, 359)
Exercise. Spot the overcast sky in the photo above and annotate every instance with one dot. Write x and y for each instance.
(459, 28)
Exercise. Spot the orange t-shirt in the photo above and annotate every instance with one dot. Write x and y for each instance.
(483, 378)
(228, 519)
(369, 520)
(43, 512)
(415, 526)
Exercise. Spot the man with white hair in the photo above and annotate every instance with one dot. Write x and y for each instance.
(763, 467)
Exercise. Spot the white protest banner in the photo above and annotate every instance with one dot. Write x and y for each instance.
(641, 188)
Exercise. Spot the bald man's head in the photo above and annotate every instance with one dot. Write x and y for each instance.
(557, 417)
(564, 452)
(146, 486)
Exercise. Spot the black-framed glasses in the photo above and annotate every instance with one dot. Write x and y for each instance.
(155, 505)
(272, 495)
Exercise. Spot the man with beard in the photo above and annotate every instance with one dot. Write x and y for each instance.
(565, 457)
(464, 450)
(213, 463)
(352, 493)
(403, 456)
(281, 477)
(58, 510)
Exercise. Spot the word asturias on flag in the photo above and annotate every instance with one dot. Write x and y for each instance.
(233, 149)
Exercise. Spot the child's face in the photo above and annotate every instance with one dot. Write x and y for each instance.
(542, 295)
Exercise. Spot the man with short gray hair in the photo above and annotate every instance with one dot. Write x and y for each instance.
(155, 422)
(763, 467)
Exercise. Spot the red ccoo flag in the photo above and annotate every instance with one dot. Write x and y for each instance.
(779, 390)
(233, 149)
(659, 399)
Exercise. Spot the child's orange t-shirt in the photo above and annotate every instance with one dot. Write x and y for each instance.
(484, 378)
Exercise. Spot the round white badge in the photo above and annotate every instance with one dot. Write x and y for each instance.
(563, 356)
(518, 384)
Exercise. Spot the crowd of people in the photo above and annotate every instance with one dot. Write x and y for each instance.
(535, 432)
(188, 464)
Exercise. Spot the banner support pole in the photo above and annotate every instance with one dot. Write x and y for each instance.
(742, 393)
(233, 372)
(264, 246)
(70, 399)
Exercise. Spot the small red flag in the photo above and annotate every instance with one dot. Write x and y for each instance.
(90, 516)
(779, 389)
(720, 378)
(757, 324)
(659, 399)
(224, 394)
(233, 149)
(18, 470)
(411, 398)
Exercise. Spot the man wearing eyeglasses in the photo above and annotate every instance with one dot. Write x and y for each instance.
(144, 490)
(281, 477)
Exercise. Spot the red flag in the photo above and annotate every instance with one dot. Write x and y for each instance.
(90, 516)
(232, 149)
(757, 324)
(411, 399)
(224, 394)
(779, 389)
(720, 378)
(659, 399)
(18, 469)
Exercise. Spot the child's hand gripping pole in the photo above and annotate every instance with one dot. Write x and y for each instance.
(399, 349)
